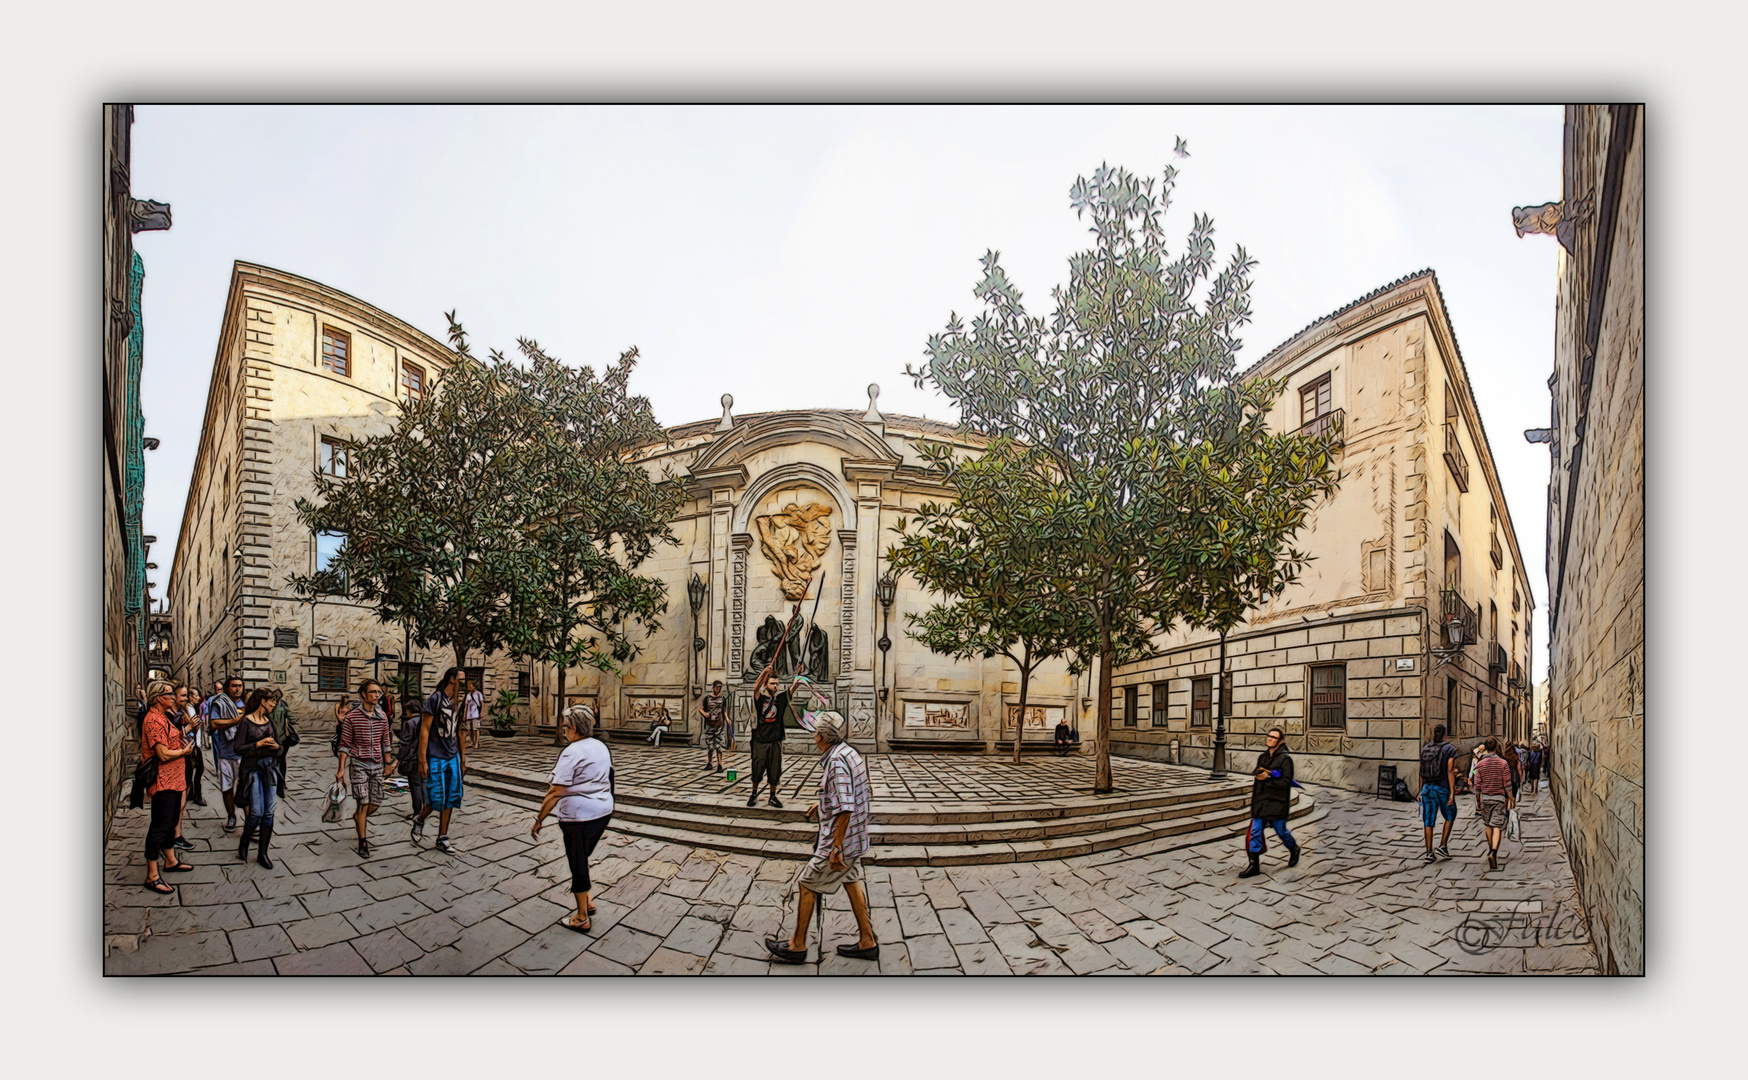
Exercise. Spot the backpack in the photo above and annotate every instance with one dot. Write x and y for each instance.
(1400, 792)
(1432, 763)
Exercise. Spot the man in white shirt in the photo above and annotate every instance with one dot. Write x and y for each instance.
(476, 700)
(843, 814)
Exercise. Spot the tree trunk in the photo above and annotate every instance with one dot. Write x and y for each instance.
(557, 735)
(1020, 720)
(1102, 774)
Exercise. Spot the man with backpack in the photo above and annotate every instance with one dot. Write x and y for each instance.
(1438, 778)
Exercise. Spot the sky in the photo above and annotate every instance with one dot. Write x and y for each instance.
(790, 256)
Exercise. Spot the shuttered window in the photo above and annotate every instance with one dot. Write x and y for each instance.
(1314, 400)
(1329, 696)
(1201, 701)
(337, 351)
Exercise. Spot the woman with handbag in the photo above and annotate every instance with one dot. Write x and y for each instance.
(257, 774)
(581, 797)
(161, 743)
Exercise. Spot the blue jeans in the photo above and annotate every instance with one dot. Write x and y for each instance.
(1279, 825)
(263, 795)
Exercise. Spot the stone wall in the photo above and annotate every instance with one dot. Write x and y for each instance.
(1596, 703)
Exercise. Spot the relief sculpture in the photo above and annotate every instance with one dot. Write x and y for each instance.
(793, 539)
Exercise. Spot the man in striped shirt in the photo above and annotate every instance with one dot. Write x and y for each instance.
(364, 755)
(1493, 799)
(842, 813)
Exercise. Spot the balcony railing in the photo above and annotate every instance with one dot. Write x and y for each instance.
(1496, 659)
(1455, 609)
(1498, 553)
(1517, 674)
(1454, 456)
(1322, 425)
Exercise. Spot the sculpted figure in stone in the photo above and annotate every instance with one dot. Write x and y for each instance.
(795, 658)
(793, 539)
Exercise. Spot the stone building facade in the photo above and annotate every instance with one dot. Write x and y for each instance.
(779, 499)
(301, 370)
(1354, 661)
(125, 600)
(1596, 525)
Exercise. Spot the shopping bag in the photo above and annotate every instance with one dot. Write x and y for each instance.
(336, 798)
(1511, 825)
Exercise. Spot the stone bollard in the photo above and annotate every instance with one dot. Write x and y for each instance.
(1177, 753)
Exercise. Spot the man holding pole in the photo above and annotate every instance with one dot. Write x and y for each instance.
(771, 708)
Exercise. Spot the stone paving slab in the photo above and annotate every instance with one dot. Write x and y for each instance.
(1361, 901)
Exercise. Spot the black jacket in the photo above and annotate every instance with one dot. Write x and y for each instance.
(1269, 798)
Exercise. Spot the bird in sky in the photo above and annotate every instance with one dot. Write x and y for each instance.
(1182, 149)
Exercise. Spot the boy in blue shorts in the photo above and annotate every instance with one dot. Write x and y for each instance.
(442, 758)
(1438, 765)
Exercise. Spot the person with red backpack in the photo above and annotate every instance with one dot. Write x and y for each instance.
(1438, 778)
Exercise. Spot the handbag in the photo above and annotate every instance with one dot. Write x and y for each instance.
(145, 775)
(336, 799)
(1511, 824)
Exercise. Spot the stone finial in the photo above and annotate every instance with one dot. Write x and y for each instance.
(873, 416)
(727, 416)
(1557, 219)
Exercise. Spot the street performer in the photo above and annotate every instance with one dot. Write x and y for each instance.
(1270, 797)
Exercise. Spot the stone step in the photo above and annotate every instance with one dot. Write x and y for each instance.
(1160, 835)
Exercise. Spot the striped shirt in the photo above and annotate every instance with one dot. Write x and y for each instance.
(365, 735)
(843, 785)
(1492, 776)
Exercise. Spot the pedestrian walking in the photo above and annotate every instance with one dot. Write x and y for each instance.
(843, 811)
(772, 708)
(160, 737)
(474, 703)
(1534, 767)
(364, 756)
(179, 715)
(407, 761)
(714, 714)
(1508, 753)
(257, 775)
(580, 796)
(285, 732)
(1493, 798)
(225, 710)
(1271, 796)
(442, 758)
(1438, 781)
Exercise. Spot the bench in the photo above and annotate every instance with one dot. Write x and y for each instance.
(1006, 746)
(958, 745)
(641, 734)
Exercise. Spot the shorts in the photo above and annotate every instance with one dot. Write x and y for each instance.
(767, 761)
(1435, 799)
(716, 738)
(444, 783)
(819, 877)
(366, 782)
(226, 769)
(1492, 811)
(470, 724)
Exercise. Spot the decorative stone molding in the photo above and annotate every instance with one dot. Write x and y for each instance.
(727, 423)
(741, 545)
(793, 539)
(847, 609)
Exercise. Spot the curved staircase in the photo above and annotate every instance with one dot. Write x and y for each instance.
(1188, 810)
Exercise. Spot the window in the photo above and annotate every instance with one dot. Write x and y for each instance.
(416, 673)
(1314, 399)
(412, 382)
(1493, 618)
(337, 351)
(334, 457)
(522, 686)
(331, 675)
(328, 545)
(1131, 705)
(1201, 696)
(1157, 719)
(1329, 696)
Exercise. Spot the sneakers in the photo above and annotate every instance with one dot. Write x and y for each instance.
(1429, 858)
(230, 823)
(183, 845)
(364, 849)
(775, 804)
(1442, 851)
(445, 846)
(418, 830)
(753, 799)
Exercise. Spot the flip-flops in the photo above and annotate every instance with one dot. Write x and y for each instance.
(179, 868)
(160, 886)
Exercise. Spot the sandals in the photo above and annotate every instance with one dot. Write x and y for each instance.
(179, 868)
(580, 928)
(160, 886)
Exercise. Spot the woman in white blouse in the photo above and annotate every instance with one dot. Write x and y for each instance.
(581, 797)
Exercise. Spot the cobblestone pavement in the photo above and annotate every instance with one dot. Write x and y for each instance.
(1361, 901)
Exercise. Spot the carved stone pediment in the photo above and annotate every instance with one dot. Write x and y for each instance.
(793, 539)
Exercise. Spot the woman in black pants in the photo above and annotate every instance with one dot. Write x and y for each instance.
(257, 774)
(161, 737)
(581, 796)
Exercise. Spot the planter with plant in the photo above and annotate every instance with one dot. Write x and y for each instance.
(503, 714)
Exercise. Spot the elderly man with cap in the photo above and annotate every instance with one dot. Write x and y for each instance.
(842, 813)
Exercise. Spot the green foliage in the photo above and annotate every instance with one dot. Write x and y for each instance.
(1168, 500)
(503, 710)
(501, 511)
